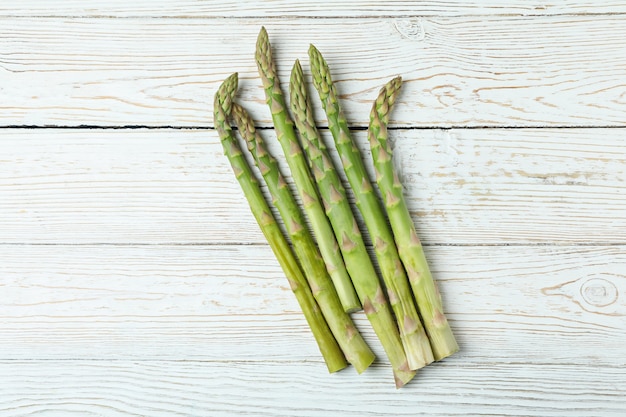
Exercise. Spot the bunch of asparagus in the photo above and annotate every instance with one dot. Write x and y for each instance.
(325, 259)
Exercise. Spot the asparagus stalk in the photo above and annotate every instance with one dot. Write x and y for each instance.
(347, 231)
(302, 177)
(426, 293)
(354, 347)
(326, 342)
(414, 339)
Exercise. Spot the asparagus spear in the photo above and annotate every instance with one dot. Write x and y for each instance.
(354, 347)
(414, 339)
(347, 231)
(411, 252)
(302, 177)
(326, 342)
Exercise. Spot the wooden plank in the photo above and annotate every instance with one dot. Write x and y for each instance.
(280, 8)
(514, 304)
(163, 389)
(464, 186)
(459, 71)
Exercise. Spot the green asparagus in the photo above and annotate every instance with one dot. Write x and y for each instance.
(302, 177)
(354, 347)
(346, 230)
(411, 252)
(414, 339)
(327, 344)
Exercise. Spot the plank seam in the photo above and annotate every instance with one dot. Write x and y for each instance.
(318, 17)
(321, 127)
(562, 244)
(468, 363)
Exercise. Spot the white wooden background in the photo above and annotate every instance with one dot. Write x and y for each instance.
(134, 281)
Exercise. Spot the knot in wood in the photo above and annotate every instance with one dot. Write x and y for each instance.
(599, 292)
(412, 29)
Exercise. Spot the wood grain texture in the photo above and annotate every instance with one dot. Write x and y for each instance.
(464, 186)
(549, 305)
(198, 389)
(459, 71)
(134, 281)
(330, 8)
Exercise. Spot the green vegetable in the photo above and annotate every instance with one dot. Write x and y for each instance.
(302, 177)
(354, 347)
(414, 339)
(346, 230)
(410, 248)
(326, 342)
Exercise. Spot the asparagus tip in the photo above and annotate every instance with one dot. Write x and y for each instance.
(262, 39)
(296, 72)
(223, 98)
(229, 85)
(315, 55)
